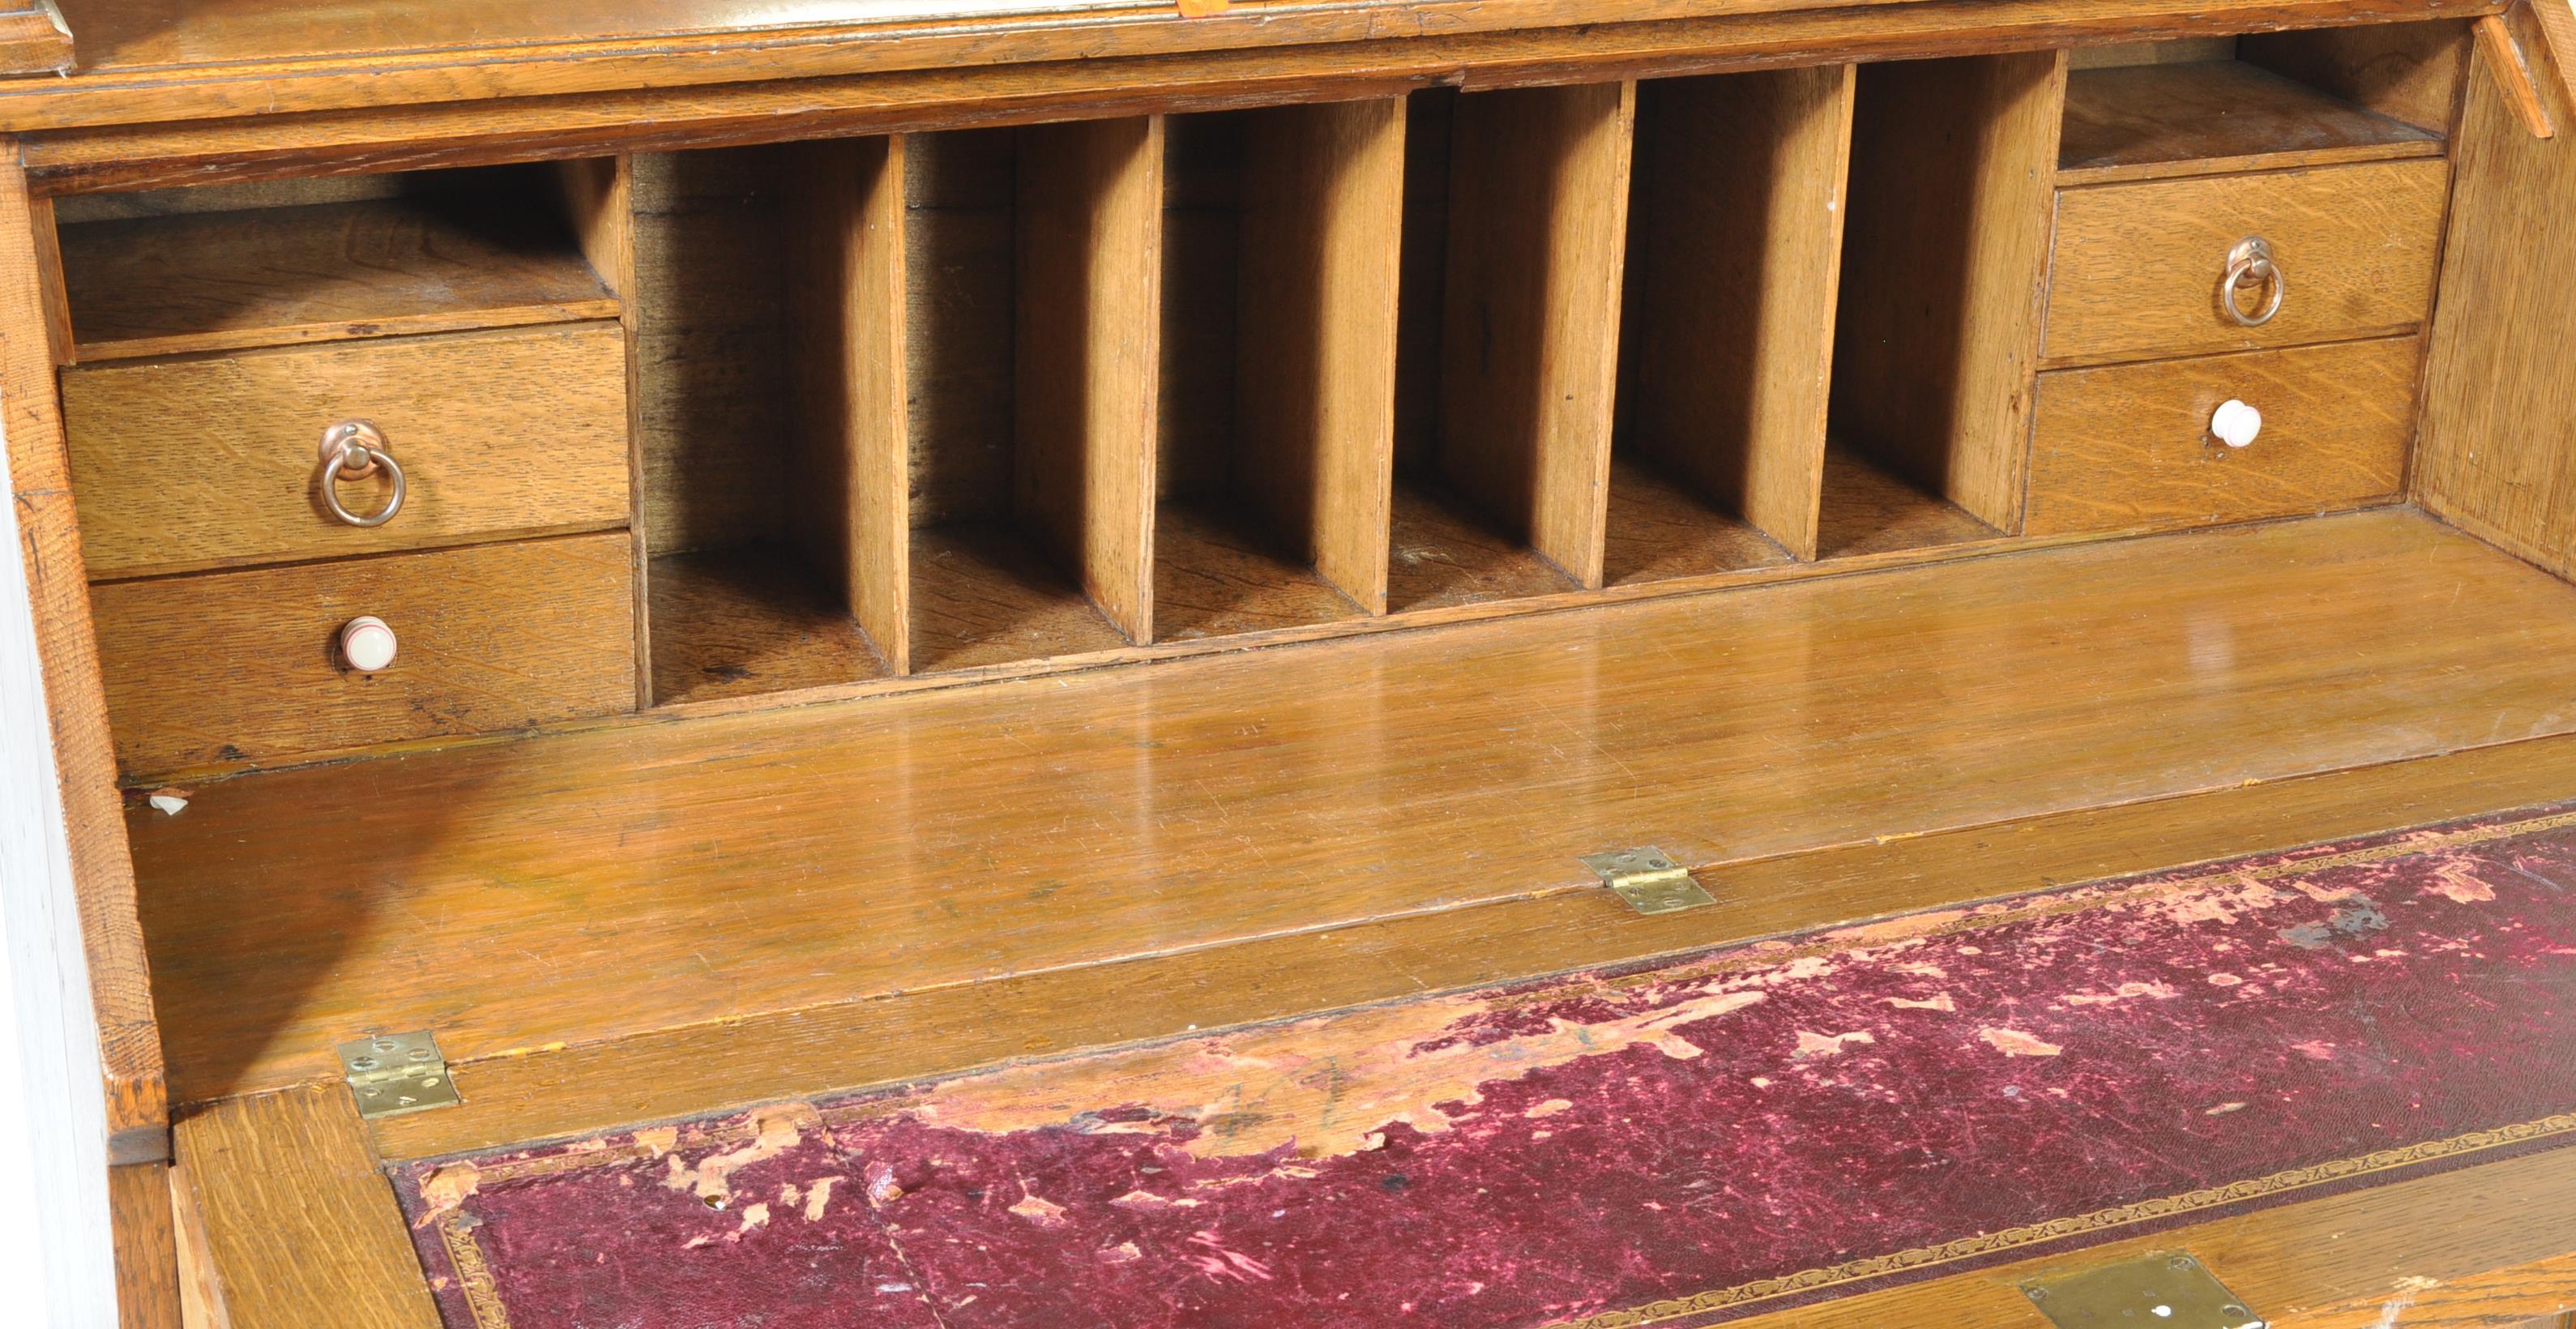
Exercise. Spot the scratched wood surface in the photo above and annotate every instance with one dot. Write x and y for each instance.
(918, 834)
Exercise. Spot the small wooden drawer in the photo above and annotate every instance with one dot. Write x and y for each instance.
(2139, 268)
(187, 464)
(2129, 446)
(246, 666)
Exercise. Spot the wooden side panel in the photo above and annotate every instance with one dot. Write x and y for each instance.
(599, 198)
(1323, 215)
(2493, 452)
(1538, 226)
(147, 1246)
(302, 1228)
(1735, 255)
(2405, 71)
(1089, 292)
(138, 1113)
(1944, 270)
(849, 506)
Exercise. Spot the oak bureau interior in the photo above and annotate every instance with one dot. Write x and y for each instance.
(710, 614)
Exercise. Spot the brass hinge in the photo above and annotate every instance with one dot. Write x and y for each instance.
(2165, 1289)
(396, 1073)
(1648, 879)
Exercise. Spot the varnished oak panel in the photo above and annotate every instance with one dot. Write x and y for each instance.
(915, 833)
(244, 665)
(209, 462)
(49, 539)
(1945, 264)
(302, 1229)
(2138, 266)
(147, 1246)
(2499, 399)
(2213, 117)
(1088, 297)
(2410, 72)
(1869, 511)
(1734, 261)
(2129, 446)
(279, 276)
(1314, 410)
(1538, 225)
(747, 621)
(922, 1032)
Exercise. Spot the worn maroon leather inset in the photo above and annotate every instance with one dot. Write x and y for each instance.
(1704, 1136)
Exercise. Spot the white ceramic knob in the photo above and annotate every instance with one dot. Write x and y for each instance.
(367, 644)
(2235, 423)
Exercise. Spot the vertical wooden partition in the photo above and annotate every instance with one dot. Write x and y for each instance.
(1323, 211)
(1734, 258)
(849, 507)
(1538, 223)
(1089, 289)
(1945, 259)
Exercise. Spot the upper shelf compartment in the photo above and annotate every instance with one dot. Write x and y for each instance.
(2259, 103)
(407, 255)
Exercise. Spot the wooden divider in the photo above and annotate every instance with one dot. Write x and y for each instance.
(1314, 417)
(1944, 268)
(848, 506)
(1089, 279)
(1735, 254)
(1538, 223)
(599, 200)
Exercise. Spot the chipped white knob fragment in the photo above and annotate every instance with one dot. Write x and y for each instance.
(367, 644)
(2235, 423)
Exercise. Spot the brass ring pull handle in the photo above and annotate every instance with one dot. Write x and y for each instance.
(351, 450)
(2250, 263)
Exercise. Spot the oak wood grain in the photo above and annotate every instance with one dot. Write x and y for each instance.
(2413, 72)
(986, 594)
(2499, 404)
(210, 462)
(1538, 225)
(916, 832)
(1088, 298)
(1869, 511)
(2502, 53)
(918, 1033)
(750, 620)
(1218, 575)
(201, 1288)
(2156, 121)
(599, 200)
(302, 1228)
(1661, 528)
(497, 636)
(848, 505)
(2138, 266)
(147, 1246)
(1945, 266)
(2129, 446)
(1314, 401)
(279, 276)
(1735, 257)
(67, 658)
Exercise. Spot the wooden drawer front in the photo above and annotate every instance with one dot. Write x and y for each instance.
(180, 465)
(244, 666)
(2138, 267)
(2128, 446)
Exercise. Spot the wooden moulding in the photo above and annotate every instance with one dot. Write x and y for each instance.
(67, 658)
(1089, 303)
(1538, 223)
(1945, 266)
(2499, 397)
(1736, 229)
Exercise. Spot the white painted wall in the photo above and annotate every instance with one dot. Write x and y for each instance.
(57, 1263)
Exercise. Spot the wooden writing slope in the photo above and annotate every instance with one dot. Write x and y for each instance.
(700, 553)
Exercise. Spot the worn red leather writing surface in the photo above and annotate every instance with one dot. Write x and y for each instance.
(1696, 1138)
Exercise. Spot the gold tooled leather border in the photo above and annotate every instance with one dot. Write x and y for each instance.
(1879, 1266)
(473, 1272)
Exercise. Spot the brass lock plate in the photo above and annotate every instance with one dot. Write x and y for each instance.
(2161, 1290)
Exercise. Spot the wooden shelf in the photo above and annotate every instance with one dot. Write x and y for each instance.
(1444, 555)
(984, 593)
(599, 885)
(1869, 509)
(170, 285)
(1660, 530)
(1214, 578)
(743, 621)
(2212, 116)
